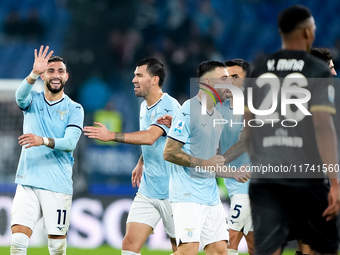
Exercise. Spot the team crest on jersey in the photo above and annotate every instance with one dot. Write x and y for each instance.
(62, 114)
(331, 93)
(189, 231)
(179, 126)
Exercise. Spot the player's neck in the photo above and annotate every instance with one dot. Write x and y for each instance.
(53, 96)
(294, 45)
(210, 103)
(153, 97)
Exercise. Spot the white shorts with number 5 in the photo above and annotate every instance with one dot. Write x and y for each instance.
(239, 217)
(31, 204)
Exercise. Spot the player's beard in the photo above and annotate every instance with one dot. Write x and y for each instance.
(55, 90)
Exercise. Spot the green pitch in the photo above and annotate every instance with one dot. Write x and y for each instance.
(104, 250)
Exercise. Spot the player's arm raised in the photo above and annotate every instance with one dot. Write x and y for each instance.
(23, 93)
(145, 137)
(173, 153)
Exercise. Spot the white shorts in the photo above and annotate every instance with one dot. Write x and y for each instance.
(239, 217)
(199, 223)
(150, 210)
(31, 204)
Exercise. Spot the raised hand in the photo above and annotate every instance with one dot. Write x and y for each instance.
(41, 60)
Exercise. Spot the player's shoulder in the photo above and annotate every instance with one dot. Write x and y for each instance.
(73, 104)
(286, 61)
(186, 105)
(37, 94)
(169, 100)
(184, 110)
(319, 68)
(217, 113)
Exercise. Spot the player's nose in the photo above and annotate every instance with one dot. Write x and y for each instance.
(334, 72)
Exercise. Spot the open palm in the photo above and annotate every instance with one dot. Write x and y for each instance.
(41, 60)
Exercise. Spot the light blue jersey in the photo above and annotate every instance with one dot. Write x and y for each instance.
(200, 140)
(156, 173)
(230, 135)
(40, 166)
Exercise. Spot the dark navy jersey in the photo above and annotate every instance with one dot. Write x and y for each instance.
(290, 85)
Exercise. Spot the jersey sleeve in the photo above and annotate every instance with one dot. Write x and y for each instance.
(323, 94)
(169, 108)
(76, 117)
(160, 113)
(180, 127)
(23, 95)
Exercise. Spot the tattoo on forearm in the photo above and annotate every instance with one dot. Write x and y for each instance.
(51, 143)
(174, 153)
(235, 151)
(119, 137)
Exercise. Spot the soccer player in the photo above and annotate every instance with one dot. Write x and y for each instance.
(300, 137)
(52, 126)
(191, 146)
(151, 202)
(239, 217)
(325, 55)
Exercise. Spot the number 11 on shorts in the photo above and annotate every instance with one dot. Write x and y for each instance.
(59, 216)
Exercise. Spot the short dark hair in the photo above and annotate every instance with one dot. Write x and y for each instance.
(238, 62)
(207, 66)
(291, 17)
(154, 68)
(322, 53)
(56, 59)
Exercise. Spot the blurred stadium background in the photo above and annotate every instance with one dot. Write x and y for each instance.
(101, 40)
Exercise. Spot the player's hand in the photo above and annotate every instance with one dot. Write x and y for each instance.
(333, 202)
(136, 176)
(41, 60)
(30, 140)
(217, 160)
(242, 174)
(101, 132)
(165, 120)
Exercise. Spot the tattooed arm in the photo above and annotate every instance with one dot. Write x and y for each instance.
(173, 153)
(236, 150)
(145, 137)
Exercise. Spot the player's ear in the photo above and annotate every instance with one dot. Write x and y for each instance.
(208, 81)
(155, 80)
(307, 33)
(42, 77)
